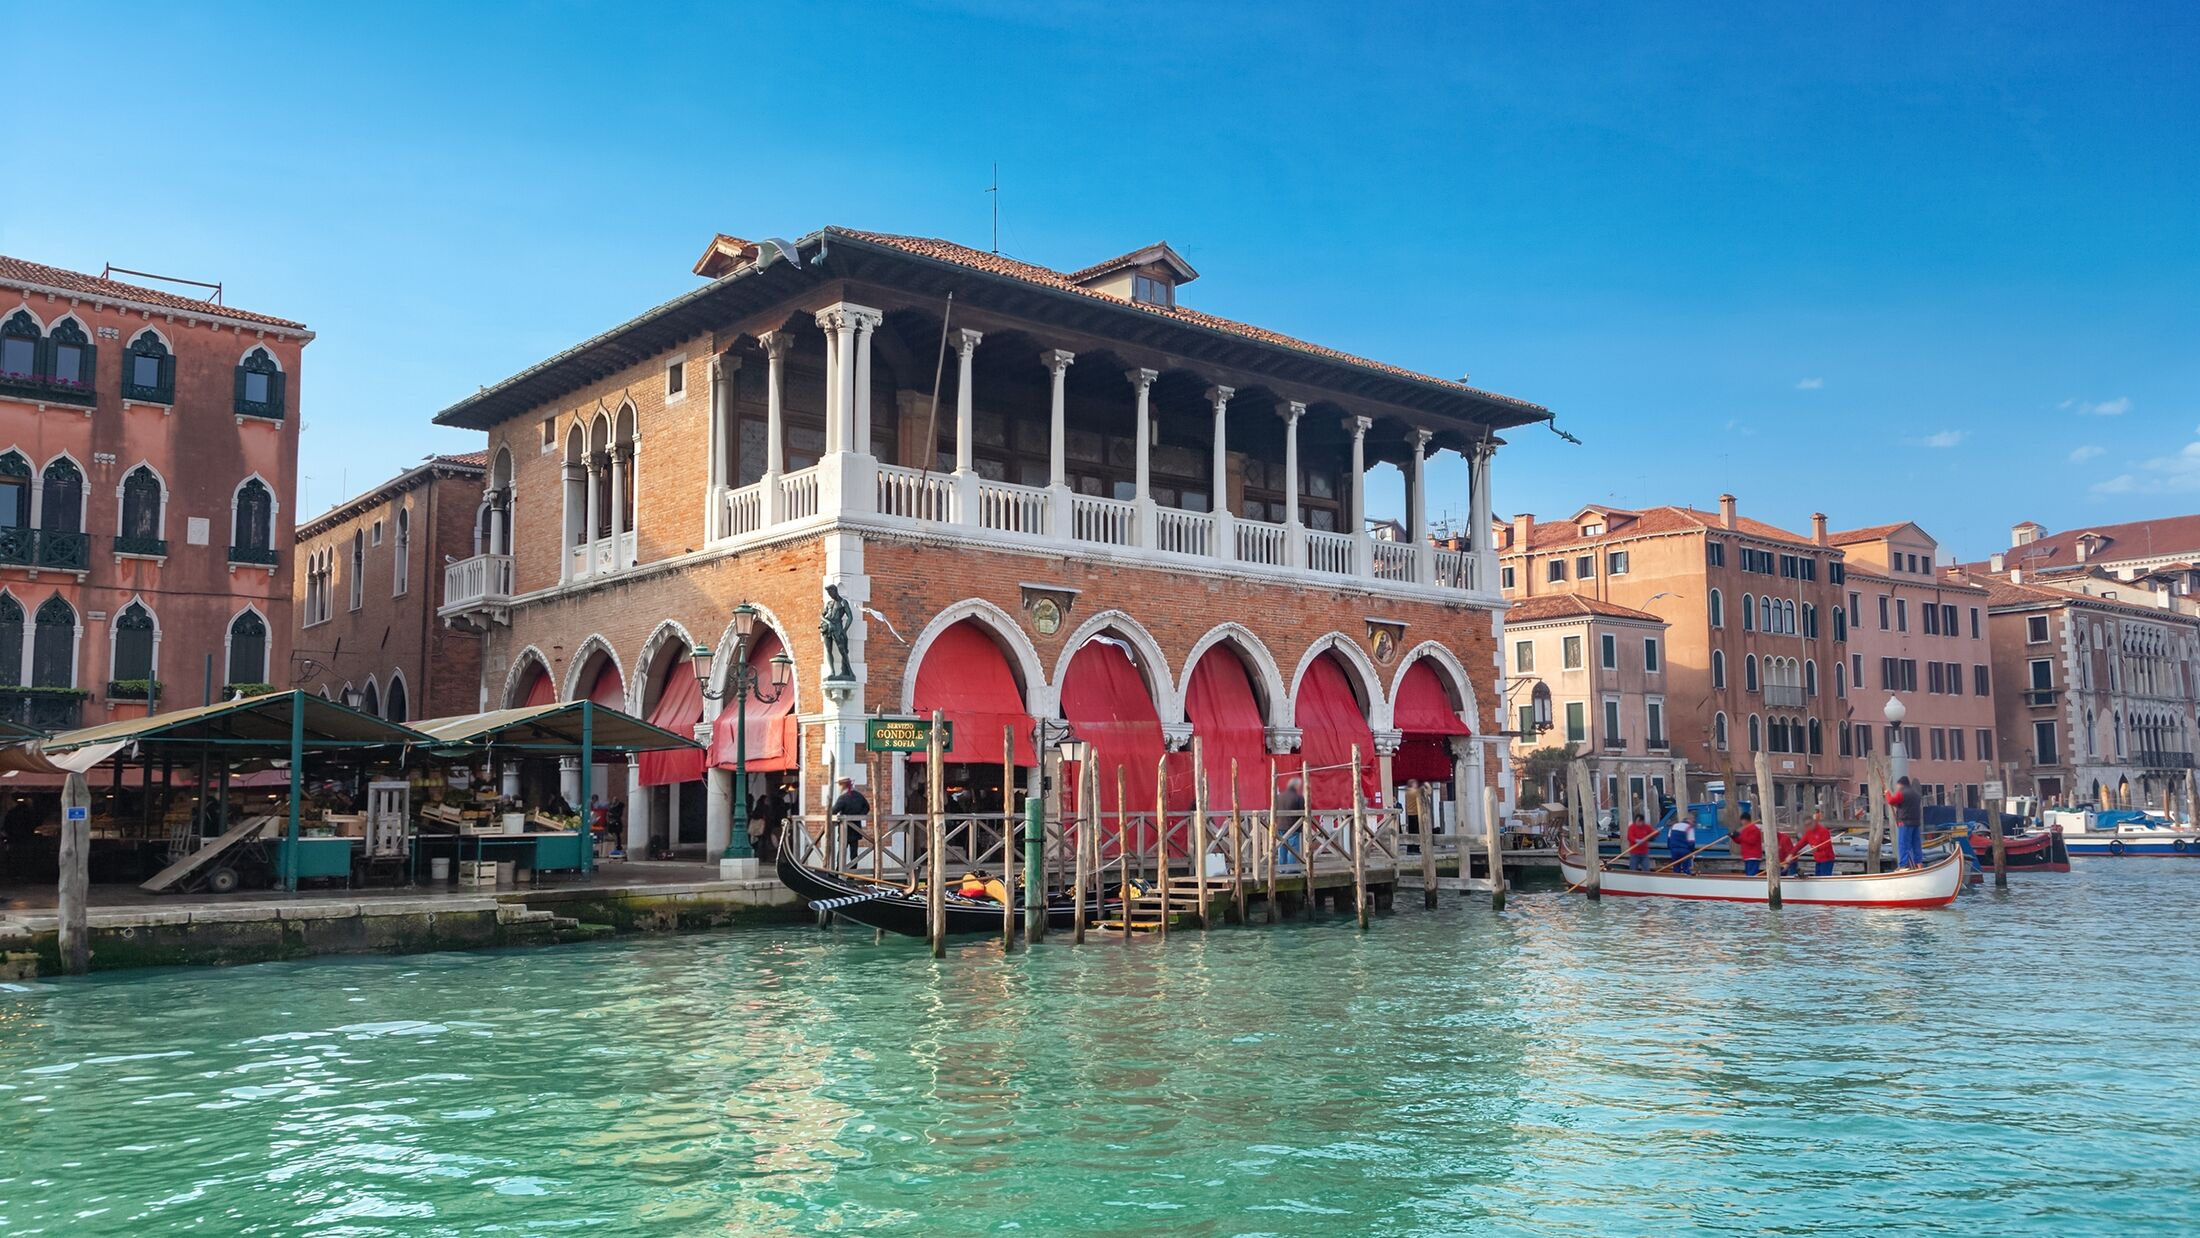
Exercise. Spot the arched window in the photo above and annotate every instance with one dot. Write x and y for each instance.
(1749, 672)
(1718, 668)
(61, 502)
(370, 701)
(1756, 734)
(149, 370)
(401, 556)
(53, 645)
(20, 338)
(70, 362)
(1810, 678)
(395, 705)
(252, 539)
(259, 386)
(1749, 621)
(1817, 738)
(11, 641)
(15, 506)
(248, 648)
(358, 568)
(1765, 615)
(1717, 606)
(1787, 618)
(1718, 730)
(141, 504)
(132, 664)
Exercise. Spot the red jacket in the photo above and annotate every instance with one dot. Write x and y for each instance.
(1820, 841)
(1788, 847)
(1638, 837)
(1748, 843)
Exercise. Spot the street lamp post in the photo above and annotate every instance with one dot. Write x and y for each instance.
(742, 686)
(1045, 733)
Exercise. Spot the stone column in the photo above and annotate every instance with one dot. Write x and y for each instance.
(618, 497)
(966, 344)
(595, 510)
(637, 811)
(1386, 751)
(1466, 794)
(866, 321)
(1143, 516)
(714, 500)
(1424, 557)
(1363, 551)
(1480, 539)
(833, 410)
(1294, 534)
(1057, 363)
(717, 788)
(775, 345)
(1225, 546)
(497, 501)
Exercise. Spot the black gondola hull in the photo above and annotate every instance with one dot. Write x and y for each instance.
(897, 911)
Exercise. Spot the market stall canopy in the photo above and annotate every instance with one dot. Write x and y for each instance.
(550, 730)
(253, 723)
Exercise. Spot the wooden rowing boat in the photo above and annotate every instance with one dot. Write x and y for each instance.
(1934, 885)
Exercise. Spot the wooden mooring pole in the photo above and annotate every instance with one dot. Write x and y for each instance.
(1275, 841)
(1359, 842)
(1088, 816)
(1494, 833)
(1161, 835)
(1768, 829)
(1422, 812)
(1008, 842)
(1584, 798)
(1199, 828)
(1122, 852)
(76, 874)
(935, 839)
(1993, 825)
(1238, 849)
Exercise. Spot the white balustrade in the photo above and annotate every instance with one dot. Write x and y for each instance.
(1393, 560)
(1185, 533)
(915, 495)
(1009, 508)
(1455, 569)
(603, 556)
(745, 510)
(481, 579)
(1111, 522)
(578, 559)
(625, 555)
(798, 494)
(1329, 552)
(1260, 542)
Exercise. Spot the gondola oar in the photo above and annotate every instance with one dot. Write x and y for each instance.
(850, 900)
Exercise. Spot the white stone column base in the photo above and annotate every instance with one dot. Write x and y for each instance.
(747, 868)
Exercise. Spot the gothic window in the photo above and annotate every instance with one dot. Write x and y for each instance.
(53, 645)
(11, 641)
(20, 339)
(259, 386)
(248, 648)
(133, 644)
(252, 539)
(61, 509)
(149, 369)
(141, 503)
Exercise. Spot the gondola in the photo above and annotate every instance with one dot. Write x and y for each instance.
(893, 907)
(1934, 885)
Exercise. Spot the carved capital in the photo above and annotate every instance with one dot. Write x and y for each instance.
(1056, 361)
(1386, 742)
(1141, 379)
(1219, 396)
(835, 318)
(866, 319)
(1463, 746)
(1176, 736)
(1284, 739)
(1358, 427)
(966, 342)
(776, 343)
(1420, 438)
(1291, 411)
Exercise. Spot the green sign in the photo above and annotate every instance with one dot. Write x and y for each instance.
(904, 734)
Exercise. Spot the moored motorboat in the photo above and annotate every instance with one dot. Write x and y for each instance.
(2035, 851)
(898, 909)
(2088, 834)
(1935, 885)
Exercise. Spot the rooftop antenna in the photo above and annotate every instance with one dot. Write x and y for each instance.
(994, 191)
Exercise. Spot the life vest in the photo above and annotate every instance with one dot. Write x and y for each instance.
(973, 886)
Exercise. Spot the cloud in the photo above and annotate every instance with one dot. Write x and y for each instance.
(2099, 408)
(1734, 426)
(2174, 474)
(2087, 452)
(1946, 438)
(1810, 384)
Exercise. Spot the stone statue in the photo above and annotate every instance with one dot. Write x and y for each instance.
(833, 625)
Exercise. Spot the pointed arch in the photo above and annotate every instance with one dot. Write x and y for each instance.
(766, 618)
(519, 675)
(253, 511)
(55, 632)
(669, 639)
(1152, 664)
(142, 498)
(14, 639)
(1260, 667)
(133, 642)
(1023, 658)
(1451, 672)
(370, 697)
(582, 668)
(1360, 671)
(245, 647)
(260, 384)
(62, 497)
(397, 698)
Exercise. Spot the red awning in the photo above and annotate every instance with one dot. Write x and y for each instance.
(1423, 708)
(1225, 714)
(1106, 700)
(679, 708)
(1331, 723)
(610, 690)
(966, 677)
(774, 737)
(540, 691)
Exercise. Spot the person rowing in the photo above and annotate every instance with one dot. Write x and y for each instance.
(1818, 840)
(1791, 849)
(1680, 843)
(1639, 833)
(1749, 844)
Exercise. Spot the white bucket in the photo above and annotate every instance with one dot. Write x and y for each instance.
(515, 823)
(507, 872)
(439, 868)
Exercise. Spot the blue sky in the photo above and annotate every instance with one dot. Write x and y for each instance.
(1893, 261)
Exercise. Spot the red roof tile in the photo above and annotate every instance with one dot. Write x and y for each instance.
(473, 459)
(2136, 539)
(1653, 520)
(21, 272)
(998, 264)
(1572, 606)
(1877, 532)
(2001, 591)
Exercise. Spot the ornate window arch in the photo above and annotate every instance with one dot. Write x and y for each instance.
(401, 552)
(149, 369)
(246, 652)
(1718, 730)
(143, 529)
(135, 656)
(53, 644)
(260, 386)
(252, 522)
(1756, 734)
(1749, 672)
(71, 361)
(13, 640)
(1718, 668)
(22, 349)
(1749, 613)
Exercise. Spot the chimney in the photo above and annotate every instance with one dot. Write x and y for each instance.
(2024, 534)
(1818, 528)
(1996, 561)
(1726, 511)
(1523, 525)
(2085, 547)
(2016, 576)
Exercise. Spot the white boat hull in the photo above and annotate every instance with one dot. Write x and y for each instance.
(1934, 885)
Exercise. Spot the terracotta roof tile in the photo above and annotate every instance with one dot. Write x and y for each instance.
(2001, 591)
(2136, 539)
(1849, 537)
(473, 459)
(998, 264)
(19, 272)
(1572, 606)
(1653, 520)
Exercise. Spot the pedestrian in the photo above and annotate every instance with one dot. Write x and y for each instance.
(1680, 843)
(852, 808)
(1639, 833)
(1749, 844)
(1818, 840)
(1290, 808)
(1909, 828)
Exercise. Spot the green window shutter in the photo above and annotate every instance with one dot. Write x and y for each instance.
(90, 373)
(168, 378)
(239, 403)
(276, 386)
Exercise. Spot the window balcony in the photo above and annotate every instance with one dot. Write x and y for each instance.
(147, 547)
(45, 390)
(39, 549)
(479, 587)
(47, 709)
(255, 556)
(1615, 743)
(2154, 759)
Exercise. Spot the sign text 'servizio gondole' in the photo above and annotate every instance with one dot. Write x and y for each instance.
(903, 734)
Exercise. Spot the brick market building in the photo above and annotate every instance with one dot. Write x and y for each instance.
(1122, 512)
(1921, 634)
(1754, 629)
(148, 463)
(368, 591)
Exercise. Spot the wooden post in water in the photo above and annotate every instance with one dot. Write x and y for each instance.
(1309, 836)
(76, 872)
(1680, 787)
(935, 838)
(878, 791)
(1495, 831)
(1161, 835)
(1875, 831)
(1993, 826)
(1422, 812)
(1122, 852)
(1768, 829)
(1087, 814)
(1238, 849)
(1199, 828)
(1008, 842)
(1275, 842)
(1359, 842)
(1583, 794)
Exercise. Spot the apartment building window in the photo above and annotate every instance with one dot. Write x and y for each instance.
(1955, 678)
(1974, 623)
(1718, 609)
(1817, 738)
(550, 433)
(374, 534)
(133, 656)
(1569, 653)
(1883, 602)
(1714, 553)
(1981, 685)
(1525, 724)
(1718, 668)
(1840, 679)
(1146, 290)
(141, 525)
(149, 370)
(1654, 718)
(1840, 626)
(53, 645)
(2043, 681)
(248, 648)
(1615, 563)
(252, 535)
(676, 376)
(1955, 743)
(1756, 734)
(1505, 578)
(1810, 677)
(1985, 743)
(1862, 734)
(1577, 723)
(1523, 657)
(1948, 621)
(1856, 606)
(1810, 621)
(2035, 629)
(1608, 651)
(1749, 617)
(1585, 567)
(1931, 618)
(259, 387)
(1856, 670)
(1555, 570)
(1933, 680)
(358, 570)
(401, 556)
(1651, 659)
(2043, 744)
(1939, 740)
(1901, 615)
(1612, 736)
(1836, 574)
(1749, 672)
(1718, 730)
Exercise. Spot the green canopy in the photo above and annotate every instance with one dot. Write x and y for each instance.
(253, 722)
(550, 730)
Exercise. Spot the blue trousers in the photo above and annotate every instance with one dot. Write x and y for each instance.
(1680, 865)
(1639, 862)
(1825, 868)
(1751, 868)
(1909, 846)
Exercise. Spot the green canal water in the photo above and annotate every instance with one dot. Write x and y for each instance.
(2027, 1063)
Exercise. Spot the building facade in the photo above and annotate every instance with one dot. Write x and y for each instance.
(1754, 627)
(148, 463)
(368, 591)
(1041, 495)
(1605, 667)
(2097, 700)
(1924, 636)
